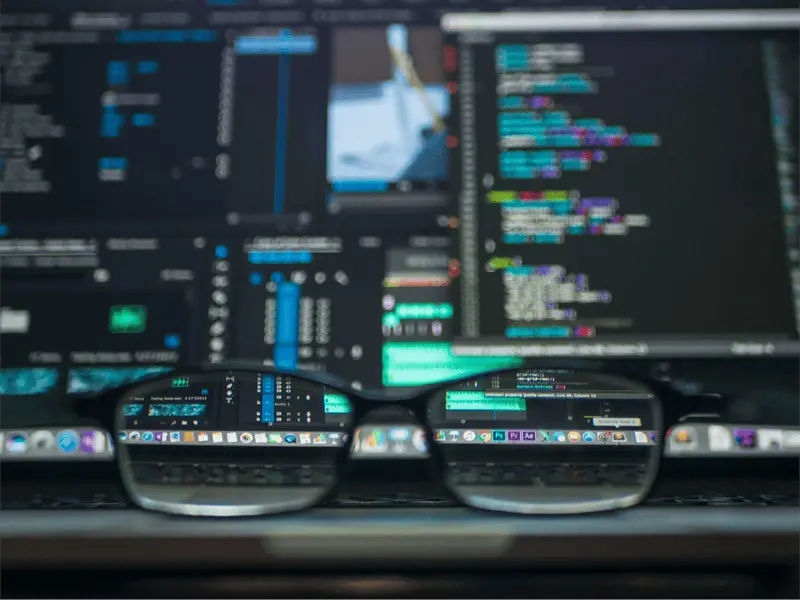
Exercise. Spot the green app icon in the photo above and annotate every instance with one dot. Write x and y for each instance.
(127, 319)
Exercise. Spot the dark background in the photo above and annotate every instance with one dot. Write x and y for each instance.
(644, 272)
(185, 127)
(712, 260)
(254, 149)
(80, 323)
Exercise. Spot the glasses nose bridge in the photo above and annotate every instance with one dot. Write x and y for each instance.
(388, 414)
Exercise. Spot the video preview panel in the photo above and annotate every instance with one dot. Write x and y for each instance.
(387, 109)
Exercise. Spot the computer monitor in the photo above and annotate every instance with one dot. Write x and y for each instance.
(201, 183)
(627, 182)
(209, 181)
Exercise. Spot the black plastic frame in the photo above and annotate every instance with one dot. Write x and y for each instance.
(103, 408)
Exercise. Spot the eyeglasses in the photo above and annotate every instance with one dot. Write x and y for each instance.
(232, 442)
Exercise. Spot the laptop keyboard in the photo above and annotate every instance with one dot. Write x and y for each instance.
(407, 500)
(52, 497)
(540, 475)
(715, 499)
(547, 474)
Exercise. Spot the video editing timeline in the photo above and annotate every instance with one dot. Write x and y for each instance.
(387, 136)
(590, 220)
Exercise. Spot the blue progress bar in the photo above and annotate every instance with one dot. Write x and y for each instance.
(283, 44)
(288, 314)
(360, 186)
(279, 257)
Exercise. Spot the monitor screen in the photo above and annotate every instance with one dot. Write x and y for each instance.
(627, 183)
(368, 193)
(208, 182)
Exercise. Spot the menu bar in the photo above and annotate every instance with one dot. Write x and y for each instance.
(651, 348)
(233, 438)
(107, 18)
(622, 21)
(715, 439)
(55, 443)
(689, 440)
(221, 8)
(380, 436)
(547, 436)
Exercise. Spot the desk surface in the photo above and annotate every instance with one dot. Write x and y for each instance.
(393, 537)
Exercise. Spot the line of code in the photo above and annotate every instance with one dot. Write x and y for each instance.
(542, 136)
(551, 216)
(538, 138)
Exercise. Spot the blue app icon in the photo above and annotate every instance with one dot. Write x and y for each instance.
(290, 439)
(147, 436)
(68, 441)
(17, 443)
(589, 436)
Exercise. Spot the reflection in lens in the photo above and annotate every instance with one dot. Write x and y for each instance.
(548, 441)
(233, 443)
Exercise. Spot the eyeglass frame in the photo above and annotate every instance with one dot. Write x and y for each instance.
(104, 409)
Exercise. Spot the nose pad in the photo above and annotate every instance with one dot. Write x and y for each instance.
(394, 437)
